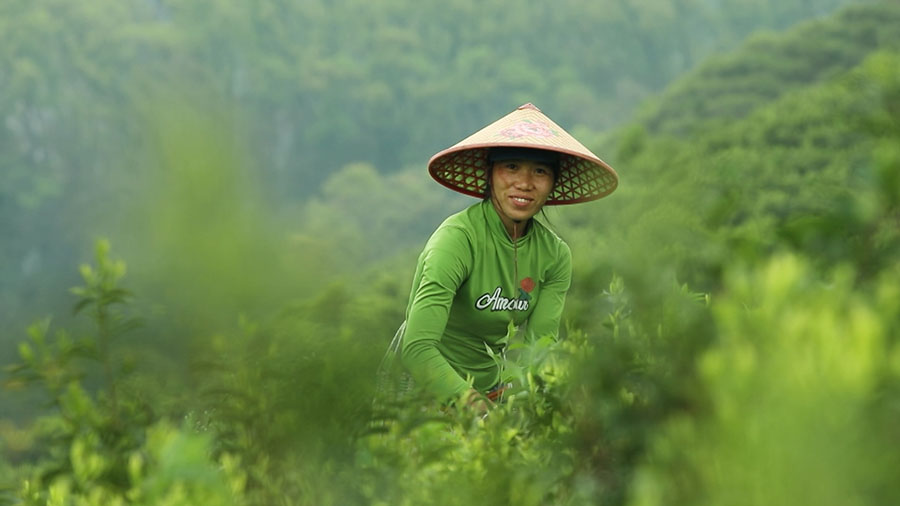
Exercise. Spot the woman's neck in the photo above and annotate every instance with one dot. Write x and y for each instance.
(514, 228)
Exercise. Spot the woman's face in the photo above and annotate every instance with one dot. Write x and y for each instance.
(519, 189)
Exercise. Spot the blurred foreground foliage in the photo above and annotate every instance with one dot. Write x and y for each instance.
(732, 338)
(789, 377)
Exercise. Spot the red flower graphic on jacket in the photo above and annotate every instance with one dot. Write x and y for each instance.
(525, 288)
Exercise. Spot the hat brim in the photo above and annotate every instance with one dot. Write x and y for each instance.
(583, 176)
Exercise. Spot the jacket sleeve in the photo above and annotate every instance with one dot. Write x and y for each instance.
(445, 264)
(547, 312)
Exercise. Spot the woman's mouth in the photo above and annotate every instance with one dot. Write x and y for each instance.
(520, 201)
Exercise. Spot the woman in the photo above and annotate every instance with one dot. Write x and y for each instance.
(493, 263)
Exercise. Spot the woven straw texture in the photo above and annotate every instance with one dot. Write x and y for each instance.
(583, 176)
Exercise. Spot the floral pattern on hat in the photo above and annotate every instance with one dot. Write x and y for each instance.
(528, 128)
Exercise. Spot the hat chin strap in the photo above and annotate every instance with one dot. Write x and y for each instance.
(516, 223)
(500, 209)
(515, 241)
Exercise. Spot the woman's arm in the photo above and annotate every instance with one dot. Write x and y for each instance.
(545, 317)
(443, 266)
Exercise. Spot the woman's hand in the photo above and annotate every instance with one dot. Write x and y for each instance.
(477, 402)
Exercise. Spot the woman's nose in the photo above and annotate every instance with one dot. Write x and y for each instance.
(524, 181)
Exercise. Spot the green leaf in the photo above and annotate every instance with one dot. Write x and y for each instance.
(87, 273)
(81, 304)
(26, 352)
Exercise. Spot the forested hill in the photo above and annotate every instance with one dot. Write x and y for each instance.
(326, 83)
(770, 66)
(308, 88)
(784, 145)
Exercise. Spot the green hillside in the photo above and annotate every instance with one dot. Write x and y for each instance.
(296, 92)
(751, 154)
(731, 335)
(770, 66)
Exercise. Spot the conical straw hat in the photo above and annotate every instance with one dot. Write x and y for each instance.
(582, 176)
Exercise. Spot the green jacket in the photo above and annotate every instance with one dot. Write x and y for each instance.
(466, 290)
